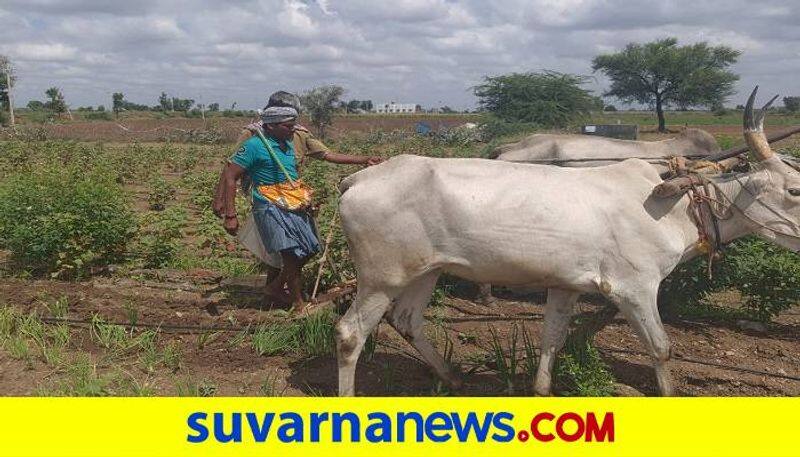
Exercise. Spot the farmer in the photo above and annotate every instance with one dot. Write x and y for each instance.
(291, 234)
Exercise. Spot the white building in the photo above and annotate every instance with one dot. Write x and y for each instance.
(395, 108)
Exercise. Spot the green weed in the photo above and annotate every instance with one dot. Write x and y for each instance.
(18, 348)
(172, 356)
(270, 339)
(505, 359)
(110, 336)
(8, 319)
(269, 387)
(581, 372)
(316, 334)
(59, 307)
(82, 379)
(191, 388)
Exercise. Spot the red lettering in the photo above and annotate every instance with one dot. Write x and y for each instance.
(604, 432)
(567, 436)
(543, 437)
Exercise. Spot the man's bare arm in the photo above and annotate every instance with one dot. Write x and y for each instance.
(230, 175)
(335, 157)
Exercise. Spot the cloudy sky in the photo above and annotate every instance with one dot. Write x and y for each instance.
(429, 52)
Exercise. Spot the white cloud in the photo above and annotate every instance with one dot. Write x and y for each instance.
(422, 51)
(46, 52)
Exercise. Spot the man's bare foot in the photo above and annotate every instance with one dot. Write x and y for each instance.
(277, 298)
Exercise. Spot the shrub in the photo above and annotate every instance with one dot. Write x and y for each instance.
(550, 99)
(158, 244)
(493, 128)
(160, 192)
(767, 276)
(98, 116)
(581, 372)
(63, 219)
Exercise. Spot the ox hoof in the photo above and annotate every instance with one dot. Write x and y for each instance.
(455, 384)
(453, 380)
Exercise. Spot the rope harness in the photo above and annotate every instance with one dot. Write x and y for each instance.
(702, 210)
(707, 209)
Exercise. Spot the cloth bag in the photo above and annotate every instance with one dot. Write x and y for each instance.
(250, 238)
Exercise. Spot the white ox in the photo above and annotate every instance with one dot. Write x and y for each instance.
(573, 231)
(566, 150)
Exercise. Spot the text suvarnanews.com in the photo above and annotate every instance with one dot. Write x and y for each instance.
(400, 427)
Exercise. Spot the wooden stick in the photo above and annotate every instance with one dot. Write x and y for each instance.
(743, 149)
(324, 257)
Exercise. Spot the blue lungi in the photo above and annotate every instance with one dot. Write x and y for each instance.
(283, 230)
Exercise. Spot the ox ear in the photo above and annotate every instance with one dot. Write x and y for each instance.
(754, 128)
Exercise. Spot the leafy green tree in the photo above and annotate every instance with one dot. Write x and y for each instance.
(549, 98)
(35, 105)
(366, 105)
(319, 104)
(792, 104)
(182, 104)
(353, 106)
(56, 102)
(661, 73)
(164, 102)
(214, 107)
(117, 102)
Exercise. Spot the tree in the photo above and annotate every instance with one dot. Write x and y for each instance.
(319, 104)
(353, 106)
(164, 102)
(117, 102)
(662, 73)
(35, 105)
(792, 104)
(56, 102)
(549, 98)
(7, 82)
(213, 107)
(366, 105)
(182, 104)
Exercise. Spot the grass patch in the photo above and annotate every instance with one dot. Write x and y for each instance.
(311, 336)
(581, 372)
(83, 380)
(317, 334)
(191, 388)
(513, 357)
(109, 336)
(59, 307)
(271, 339)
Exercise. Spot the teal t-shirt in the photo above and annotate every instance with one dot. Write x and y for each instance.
(254, 157)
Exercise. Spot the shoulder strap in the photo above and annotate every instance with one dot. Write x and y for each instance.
(274, 156)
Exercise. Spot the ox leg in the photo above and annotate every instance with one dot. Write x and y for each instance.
(557, 315)
(407, 317)
(352, 330)
(642, 315)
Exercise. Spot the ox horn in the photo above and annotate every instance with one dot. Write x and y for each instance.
(754, 128)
